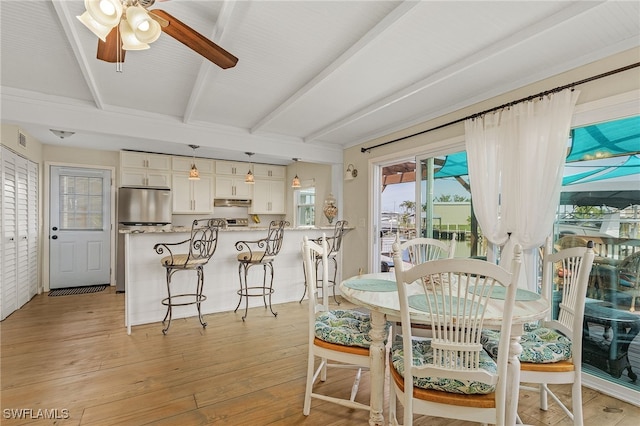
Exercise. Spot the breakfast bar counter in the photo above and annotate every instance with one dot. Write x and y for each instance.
(145, 280)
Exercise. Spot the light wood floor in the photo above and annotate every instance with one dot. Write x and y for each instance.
(72, 354)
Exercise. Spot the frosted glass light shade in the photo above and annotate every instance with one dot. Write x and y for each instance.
(102, 31)
(295, 183)
(144, 27)
(129, 40)
(151, 34)
(249, 178)
(105, 12)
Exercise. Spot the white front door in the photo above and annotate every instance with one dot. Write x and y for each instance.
(79, 233)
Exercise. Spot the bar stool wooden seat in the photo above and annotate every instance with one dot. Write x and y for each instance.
(259, 252)
(201, 246)
(335, 243)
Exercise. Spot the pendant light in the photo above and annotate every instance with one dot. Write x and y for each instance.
(295, 183)
(194, 174)
(249, 177)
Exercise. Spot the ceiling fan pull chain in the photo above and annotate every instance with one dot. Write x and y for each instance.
(119, 55)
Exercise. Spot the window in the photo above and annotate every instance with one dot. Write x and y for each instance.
(305, 206)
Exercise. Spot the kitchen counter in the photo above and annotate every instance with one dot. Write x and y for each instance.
(145, 279)
(176, 229)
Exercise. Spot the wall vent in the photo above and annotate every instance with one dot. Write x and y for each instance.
(22, 139)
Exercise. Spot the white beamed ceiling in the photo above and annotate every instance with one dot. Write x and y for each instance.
(313, 77)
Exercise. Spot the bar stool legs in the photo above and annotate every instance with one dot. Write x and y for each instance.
(193, 298)
(246, 291)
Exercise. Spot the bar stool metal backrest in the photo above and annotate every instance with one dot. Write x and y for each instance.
(259, 252)
(334, 244)
(202, 245)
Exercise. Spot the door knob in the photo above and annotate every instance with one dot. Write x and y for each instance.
(55, 228)
(54, 237)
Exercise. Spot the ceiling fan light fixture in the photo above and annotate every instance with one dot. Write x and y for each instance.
(138, 18)
(129, 39)
(105, 12)
(149, 35)
(101, 31)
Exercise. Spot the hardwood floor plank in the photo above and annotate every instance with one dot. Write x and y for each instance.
(73, 353)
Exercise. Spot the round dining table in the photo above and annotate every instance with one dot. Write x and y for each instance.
(378, 293)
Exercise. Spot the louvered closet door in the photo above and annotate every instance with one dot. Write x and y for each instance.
(22, 219)
(32, 229)
(9, 234)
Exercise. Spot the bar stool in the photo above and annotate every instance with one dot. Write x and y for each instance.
(335, 243)
(259, 252)
(202, 245)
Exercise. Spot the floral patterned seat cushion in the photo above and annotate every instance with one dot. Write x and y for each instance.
(423, 354)
(344, 327)
(540, 345)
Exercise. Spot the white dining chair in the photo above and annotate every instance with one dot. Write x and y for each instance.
(422, 249)
(449, 374)
(552, 350)
(339, 338)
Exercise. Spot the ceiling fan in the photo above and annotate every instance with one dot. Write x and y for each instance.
(123, 25)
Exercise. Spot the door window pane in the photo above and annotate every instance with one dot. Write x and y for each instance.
(81, 200)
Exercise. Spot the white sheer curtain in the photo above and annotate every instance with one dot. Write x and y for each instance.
(516, 161)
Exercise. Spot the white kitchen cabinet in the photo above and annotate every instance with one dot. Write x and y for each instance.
(144, 160)
(269, 171)
(192, 196)
(233, 168)
(232, 187)
(143, 169)
(268, 197)
(183, 164)
(19, 234)
(138, 177)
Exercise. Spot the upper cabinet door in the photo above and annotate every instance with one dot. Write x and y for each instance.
(234, 168)
(143, 160)
(269, 171)
(183, 164)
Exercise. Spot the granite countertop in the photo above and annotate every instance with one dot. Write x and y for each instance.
(178, 229)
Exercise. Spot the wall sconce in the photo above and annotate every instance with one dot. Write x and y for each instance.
(295, 183)
(351, 172)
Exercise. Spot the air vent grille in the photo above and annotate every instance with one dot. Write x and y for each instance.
(22, 139)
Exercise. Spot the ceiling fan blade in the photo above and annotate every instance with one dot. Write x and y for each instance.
(194, 40)
(108, 51)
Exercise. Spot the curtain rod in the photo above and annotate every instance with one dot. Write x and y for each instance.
(528, 98)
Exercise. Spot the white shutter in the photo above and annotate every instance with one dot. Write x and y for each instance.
(9, 233)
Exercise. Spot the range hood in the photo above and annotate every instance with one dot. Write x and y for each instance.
(224, 202)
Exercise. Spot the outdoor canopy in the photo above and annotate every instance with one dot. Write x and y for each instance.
(603, 140)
